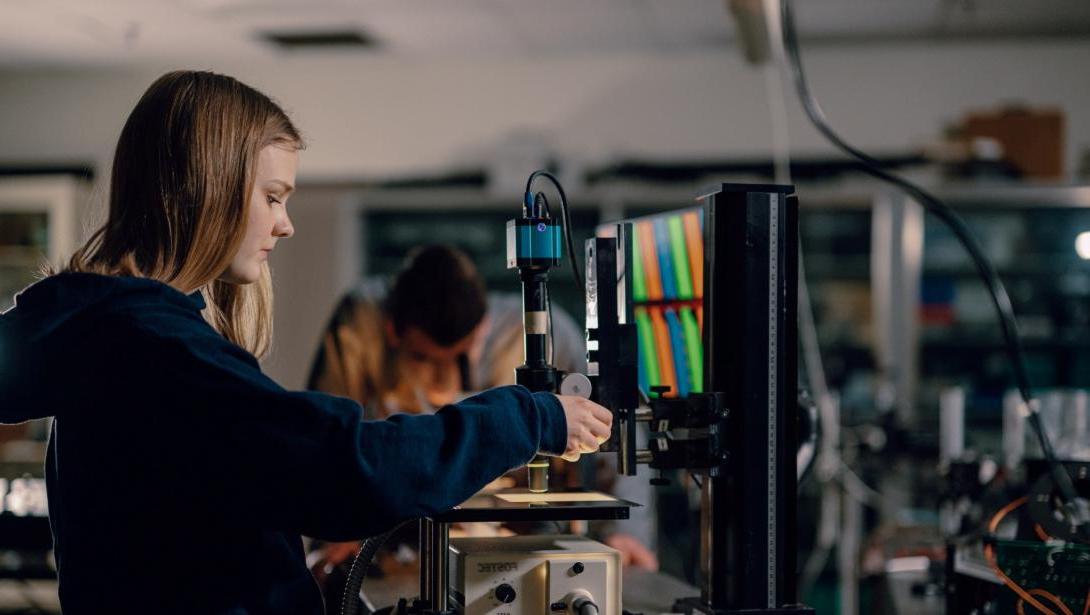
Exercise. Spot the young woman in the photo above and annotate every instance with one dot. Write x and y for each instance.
(180, 477)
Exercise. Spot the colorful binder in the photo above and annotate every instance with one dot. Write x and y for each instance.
(648, 363)
(639, 280)
(650, 259)
(682, 375)
(694, 242)
(667, 373)
(680, 257)
(666, 261)
(694, 349)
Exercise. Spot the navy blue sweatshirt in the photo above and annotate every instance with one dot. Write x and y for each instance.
(180, 477)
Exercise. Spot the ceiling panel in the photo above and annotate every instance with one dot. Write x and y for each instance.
(134, 31)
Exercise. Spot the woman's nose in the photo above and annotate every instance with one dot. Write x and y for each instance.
(284, 228)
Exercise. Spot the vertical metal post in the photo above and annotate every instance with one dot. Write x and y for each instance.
(716, 554)
(951, 424)
(1014, 432)
(851, 531)
(440, 559)
(896, 266)
(748, 505)
(426, 556)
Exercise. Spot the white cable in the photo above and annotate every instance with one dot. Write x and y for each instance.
(831, 469)
(857, 489)
(774, 92)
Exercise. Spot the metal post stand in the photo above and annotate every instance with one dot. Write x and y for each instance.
(434, 563)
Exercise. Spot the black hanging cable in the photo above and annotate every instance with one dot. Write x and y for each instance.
(565, 219)
(542, 203)
(1000, 298)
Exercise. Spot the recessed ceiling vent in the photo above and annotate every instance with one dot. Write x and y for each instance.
(321, 40)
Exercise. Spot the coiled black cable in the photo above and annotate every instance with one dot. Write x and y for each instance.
(350, 601)
(942, 211)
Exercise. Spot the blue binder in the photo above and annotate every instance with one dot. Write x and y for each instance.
(666, 261)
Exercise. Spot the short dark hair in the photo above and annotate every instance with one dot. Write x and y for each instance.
(439, 291)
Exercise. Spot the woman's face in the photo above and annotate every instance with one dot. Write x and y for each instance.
(267, 219)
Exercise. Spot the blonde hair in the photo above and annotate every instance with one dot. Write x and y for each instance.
(179, 191)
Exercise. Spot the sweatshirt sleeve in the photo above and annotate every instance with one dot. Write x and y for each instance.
(306, 462)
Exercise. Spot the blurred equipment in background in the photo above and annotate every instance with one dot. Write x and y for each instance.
(1055, 490)
(1031, 140)
(1013, 544)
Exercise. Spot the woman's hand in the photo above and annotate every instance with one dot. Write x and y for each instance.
(588, 425)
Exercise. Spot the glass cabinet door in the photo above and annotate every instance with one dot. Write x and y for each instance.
(24, 244)
(37, 228)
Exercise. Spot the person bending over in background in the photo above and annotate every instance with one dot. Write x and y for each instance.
(429, 337)
(180, 477)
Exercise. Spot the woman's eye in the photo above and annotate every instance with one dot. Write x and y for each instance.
(271, 199)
